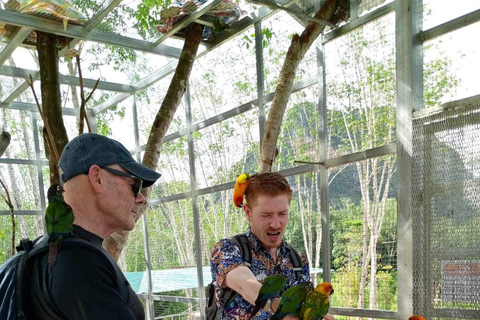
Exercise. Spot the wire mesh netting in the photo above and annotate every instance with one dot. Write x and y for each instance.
(446, 219)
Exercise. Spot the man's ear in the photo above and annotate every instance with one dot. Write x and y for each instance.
(96, 178)
(248, 213)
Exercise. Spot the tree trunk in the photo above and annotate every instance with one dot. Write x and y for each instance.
(115, 242)
(298, 47)
(47, 47)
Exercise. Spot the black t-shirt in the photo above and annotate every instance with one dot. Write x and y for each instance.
(82, 286)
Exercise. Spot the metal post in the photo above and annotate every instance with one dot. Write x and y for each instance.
(409, 63)
(149, 300)
(93, 121)
(353, 9)
(260, 79)
(196, 214)
(323, 150)
(38, 159)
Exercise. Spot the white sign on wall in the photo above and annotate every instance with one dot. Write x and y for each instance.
(461, 281)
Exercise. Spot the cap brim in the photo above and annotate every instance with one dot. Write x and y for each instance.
(148, 175)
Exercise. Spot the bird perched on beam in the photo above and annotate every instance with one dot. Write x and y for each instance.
(59, 222)
(4, 141)
(416, 318)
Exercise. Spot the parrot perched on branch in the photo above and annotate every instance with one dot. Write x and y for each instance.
(239, 189)
(416, 318)
(271, 286)
(58, 220)
(317, 302)
(291, 301)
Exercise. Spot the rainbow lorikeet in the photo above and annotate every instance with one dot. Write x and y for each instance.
(317, 302)
(271, 287)
(58, 220)
(291, 301)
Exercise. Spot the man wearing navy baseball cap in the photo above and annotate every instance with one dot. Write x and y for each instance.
(102, 184)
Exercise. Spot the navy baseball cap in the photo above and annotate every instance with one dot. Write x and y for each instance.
(88, 149)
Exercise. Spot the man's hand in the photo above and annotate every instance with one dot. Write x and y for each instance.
(328, 317)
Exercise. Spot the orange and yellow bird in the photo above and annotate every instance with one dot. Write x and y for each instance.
(416, 318)
(317, 302)
(239, 189)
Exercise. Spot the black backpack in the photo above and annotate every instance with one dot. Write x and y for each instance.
(15, 275)
(227, 296)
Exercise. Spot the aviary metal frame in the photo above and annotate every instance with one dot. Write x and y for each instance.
(409, 40)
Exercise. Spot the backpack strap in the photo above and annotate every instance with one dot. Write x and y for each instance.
(227, 296)
(296, 261)
(21, 274)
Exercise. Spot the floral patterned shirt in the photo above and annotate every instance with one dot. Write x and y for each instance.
(226, 256)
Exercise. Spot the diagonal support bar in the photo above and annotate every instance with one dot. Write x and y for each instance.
(186, 21)
(74, 31)
(15, 92)
(15, 39)
(300, 14)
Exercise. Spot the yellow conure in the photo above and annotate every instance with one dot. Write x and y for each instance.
(239, 189)
(416, 318)
(317, 302)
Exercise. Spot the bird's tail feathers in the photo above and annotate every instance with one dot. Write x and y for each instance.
(53, 251)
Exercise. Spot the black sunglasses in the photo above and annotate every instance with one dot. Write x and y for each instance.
(136, 188)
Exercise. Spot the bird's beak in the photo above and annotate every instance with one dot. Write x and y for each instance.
(333, 290)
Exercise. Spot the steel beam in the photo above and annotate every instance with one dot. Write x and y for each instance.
(74, 31)
(352, 312)
(409, 84)
(33, 107)
(140, 85)
(68, 80)
(452, 25)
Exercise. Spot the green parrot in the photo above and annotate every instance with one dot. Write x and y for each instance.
(58, 220)
(218, 25)
(291, 300)
(271, 286)
(317, 302)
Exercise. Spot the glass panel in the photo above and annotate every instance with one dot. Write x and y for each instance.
(298, 139)
(281, 27)
(174, 167)
(149, 102)
(22, 183)
(436, 12)
(304, 227)
(226, 149)
(18, 124)
(363, 215)
(24, 58)
(220, 219)
(361, 87)
(25, 226)
(224, 78)
(117, 123)
(450, 67)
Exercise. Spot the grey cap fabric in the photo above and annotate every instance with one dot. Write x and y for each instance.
(88, 149)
